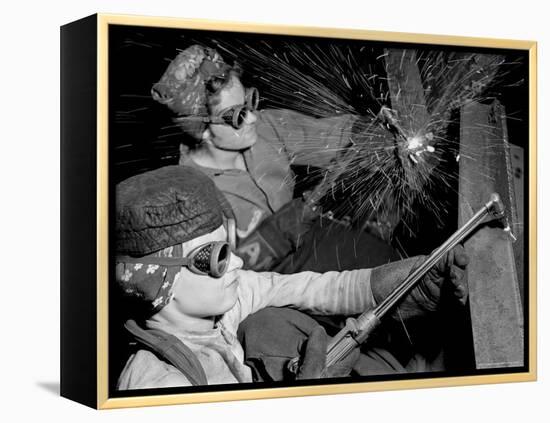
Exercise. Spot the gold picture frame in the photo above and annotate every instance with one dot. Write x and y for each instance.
(87, 181)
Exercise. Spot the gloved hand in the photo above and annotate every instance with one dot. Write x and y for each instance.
(272, 337)
(449, 268)
(314, 355)
(447, 273)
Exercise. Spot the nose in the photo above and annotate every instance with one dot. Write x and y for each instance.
(235, 263)
(250, 117)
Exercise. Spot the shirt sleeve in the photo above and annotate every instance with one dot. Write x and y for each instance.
(308, 140)
(331, 293)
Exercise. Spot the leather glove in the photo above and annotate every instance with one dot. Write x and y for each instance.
(447, 273)
(449, 269)
(272, 337)
(314, 356)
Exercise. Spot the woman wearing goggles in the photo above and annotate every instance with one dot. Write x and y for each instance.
(230, 126)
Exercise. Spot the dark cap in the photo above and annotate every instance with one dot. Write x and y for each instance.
(164, 207)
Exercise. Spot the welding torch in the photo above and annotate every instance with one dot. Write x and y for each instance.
(357, 331)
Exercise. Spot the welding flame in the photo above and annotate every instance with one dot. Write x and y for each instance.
(415, 143)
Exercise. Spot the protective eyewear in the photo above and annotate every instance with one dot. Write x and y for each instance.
(210, 259)
(234, 115)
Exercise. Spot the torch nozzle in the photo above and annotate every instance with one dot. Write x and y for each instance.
(495, 206)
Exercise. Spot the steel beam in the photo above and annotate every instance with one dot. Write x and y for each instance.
(495, 302)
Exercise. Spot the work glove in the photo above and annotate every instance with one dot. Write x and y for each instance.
(447, 274)
(313, 356)
(273, 337)
(449, 269)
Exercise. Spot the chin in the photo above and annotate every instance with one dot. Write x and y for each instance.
(249, 138)
(255, 138)
(226, 304)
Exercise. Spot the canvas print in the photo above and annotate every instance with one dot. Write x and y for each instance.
(294, 211)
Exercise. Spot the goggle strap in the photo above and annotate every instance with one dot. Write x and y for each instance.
(197, 118)
(161, 261)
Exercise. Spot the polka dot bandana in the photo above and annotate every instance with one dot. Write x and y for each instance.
(149, 284)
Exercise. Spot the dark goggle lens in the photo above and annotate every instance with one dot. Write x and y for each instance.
(239, 116)
(222, 261)
(235, 116)
(212, 259)
(202, 258)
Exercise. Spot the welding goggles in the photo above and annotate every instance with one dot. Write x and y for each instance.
(210, 259)
(234, 115)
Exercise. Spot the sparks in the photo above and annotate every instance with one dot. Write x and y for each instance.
(325, 80)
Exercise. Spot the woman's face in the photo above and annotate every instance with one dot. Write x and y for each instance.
(224, 136)
(205, 296)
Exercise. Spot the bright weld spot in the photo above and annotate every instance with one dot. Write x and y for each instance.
(414, 142)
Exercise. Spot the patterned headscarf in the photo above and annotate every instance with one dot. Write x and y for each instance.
(149, 285)
(182, 87)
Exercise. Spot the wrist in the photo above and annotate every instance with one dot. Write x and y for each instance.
(385, 278)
